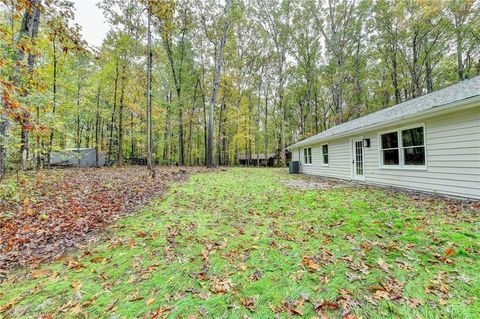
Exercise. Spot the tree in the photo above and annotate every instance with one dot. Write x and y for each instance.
(216, 80)
(239, 80)
(274, 18)
(176, 64)
(28, 32)
(150, 163)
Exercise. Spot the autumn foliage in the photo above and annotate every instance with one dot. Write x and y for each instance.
(57, 209)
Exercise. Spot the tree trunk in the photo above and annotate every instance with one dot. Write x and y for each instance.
(3, 150)
(415, 71)
(205, 129)
(398, 97)
(216, 81)
(97, 127)
(181, 146)
(190, 129)
(459, 41)
(166, 134)
(78, 117)
(237, 155)
(177, 79)
(77, 142)
(120, 121)
(149, 96)
(257, 133)
(54, 106)
(283, 110)
(112, 121)
(428, 76)
(316, 110)
(29, 28)
(220, 136)
(266, 127)
(132, 140)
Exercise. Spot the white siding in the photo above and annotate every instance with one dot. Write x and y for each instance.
(452, 157)
(339, 159)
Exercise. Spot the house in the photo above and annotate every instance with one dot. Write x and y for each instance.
(430, 143)
(257, 159)
(82, 157)
(269, 159)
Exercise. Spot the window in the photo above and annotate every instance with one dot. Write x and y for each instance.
(405, 147)
(307, 153)
(413, 146)
(325, 154)
(390, 150)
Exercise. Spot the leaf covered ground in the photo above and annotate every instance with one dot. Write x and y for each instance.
(242, 244)
(45, 213)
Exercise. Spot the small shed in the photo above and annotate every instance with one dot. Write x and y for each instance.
(269, 159)
(81, 157)
(256, 159)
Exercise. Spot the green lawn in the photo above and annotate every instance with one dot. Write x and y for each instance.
(241, 244)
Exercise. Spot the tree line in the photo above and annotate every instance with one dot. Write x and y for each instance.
(202, 82)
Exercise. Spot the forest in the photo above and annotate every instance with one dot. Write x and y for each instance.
(201, 82)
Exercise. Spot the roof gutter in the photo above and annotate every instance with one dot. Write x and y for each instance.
(438, 110)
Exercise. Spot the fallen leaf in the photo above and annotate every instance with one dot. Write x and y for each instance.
(135, 297)
(222, 286)
(40, 273)
(449, 252)
(162, 311)
(248, 303)
(383, 265)
(311, 264)
(76, 285)
(414, 302)
(98, 259)
(325, 305)
(9, 305)
(149, 301)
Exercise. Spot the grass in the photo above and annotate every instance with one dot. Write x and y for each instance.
(241, 244)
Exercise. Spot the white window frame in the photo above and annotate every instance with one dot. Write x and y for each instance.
(401, 156)
(328, 154)
(308, 156)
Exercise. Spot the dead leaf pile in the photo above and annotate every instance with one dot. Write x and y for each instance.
(58, 208)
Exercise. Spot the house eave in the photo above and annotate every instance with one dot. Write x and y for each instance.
(437, 110)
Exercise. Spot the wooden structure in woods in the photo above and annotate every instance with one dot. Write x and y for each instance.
(269, 159)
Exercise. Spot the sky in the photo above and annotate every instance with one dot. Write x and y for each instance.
(90, 18)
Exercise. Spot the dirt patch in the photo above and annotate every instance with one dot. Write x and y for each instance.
(437, 203)
(306, 185)
(421, 200)
(306, 182)
(55, 210)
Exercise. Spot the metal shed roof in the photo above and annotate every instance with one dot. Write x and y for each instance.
(457, 92)
(254, 156)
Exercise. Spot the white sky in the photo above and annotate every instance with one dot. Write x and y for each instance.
(90, 18)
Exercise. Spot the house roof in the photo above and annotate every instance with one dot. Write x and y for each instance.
(457, 92)
(75, 149)
(261, 156)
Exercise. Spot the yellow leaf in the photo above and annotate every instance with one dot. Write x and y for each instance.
(30, 212)
(149, 301)
(98, 259)
(76, 285)
(40, 273)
